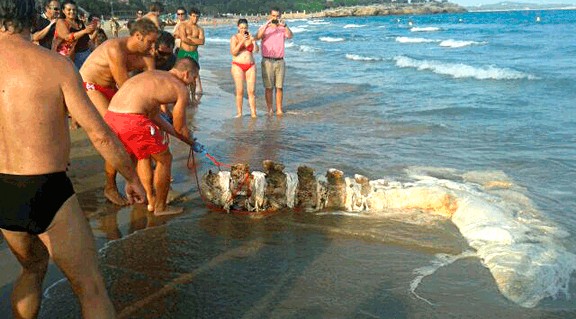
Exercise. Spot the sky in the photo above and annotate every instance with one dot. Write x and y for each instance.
(478, 2)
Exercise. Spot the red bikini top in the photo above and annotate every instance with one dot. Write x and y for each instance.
(250, 48)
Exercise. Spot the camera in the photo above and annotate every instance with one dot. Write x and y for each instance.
(246, 33)
(275, 21)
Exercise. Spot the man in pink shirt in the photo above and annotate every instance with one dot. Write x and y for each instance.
(273, 34)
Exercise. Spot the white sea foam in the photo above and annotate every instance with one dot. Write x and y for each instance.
(414, 40)
(318, 22)
(458, 43)
(217, 40)
(425, 29)
(352, 26)
(440, 261)
(308, 49)
(356, 57)
(460, 70)
(331, 39)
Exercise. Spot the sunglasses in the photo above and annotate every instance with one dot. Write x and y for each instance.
(162, 53)
(54, 8)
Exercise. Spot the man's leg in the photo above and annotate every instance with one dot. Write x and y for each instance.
(162, 175)
(267, 77)
(145, 173)
(71, 244)
(279, 96)
(33, 256)
(279, 71)
(110, 188)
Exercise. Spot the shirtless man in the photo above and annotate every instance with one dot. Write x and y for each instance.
(40, 216)
(134, 115)
(191, 35)
(106, 69)
(154, 11)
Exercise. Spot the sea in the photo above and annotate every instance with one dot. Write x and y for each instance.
(481, 103)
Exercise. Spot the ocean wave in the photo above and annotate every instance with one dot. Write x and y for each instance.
(459, 70)
(356, 57)
(459, 44)
(331, 39)
(425, 29)
(351, 26)
(299, 29)
(414, 40)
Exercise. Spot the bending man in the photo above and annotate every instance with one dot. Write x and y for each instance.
(134, 115)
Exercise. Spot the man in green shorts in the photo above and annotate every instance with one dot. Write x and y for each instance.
(191, 35)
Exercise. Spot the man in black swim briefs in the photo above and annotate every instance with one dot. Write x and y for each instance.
(40, 216)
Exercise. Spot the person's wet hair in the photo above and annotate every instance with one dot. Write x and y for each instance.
(156, 7)
(242, 21)
(275, 9)
(181, 9)
(194, 11)
(165, 38)
(187, 64)
(144, 26)
(17, 15)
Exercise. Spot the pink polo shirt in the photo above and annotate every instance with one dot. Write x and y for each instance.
(273, 42)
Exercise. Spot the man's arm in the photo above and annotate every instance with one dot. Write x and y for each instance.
(150, 63)
(179, 110)
(198, 40)
(105, 142)
(261, 30)
(39, 35)
(117, 60)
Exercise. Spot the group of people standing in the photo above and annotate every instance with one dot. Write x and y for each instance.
(243, 45)
(62, 29)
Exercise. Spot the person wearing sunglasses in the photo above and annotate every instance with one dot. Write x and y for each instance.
(181, 15)
(43, 33)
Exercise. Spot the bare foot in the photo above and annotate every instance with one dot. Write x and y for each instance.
(280, 113)
(150, 208)
(269, 113)
(237, 116)
(115, 197)
(169, 210)
(253, 115)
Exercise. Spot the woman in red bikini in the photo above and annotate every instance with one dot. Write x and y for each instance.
(242, 45)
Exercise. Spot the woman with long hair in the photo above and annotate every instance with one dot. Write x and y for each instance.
(242, 46)
(72, 37)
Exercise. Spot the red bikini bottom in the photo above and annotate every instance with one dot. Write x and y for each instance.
(244, 66)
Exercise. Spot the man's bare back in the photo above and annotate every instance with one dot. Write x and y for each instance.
(145, 92)
(110, 63)
(32, 115)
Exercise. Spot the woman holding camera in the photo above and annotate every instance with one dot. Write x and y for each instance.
(72, 37)
(242, 46)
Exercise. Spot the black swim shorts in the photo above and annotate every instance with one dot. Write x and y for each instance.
(28, 203)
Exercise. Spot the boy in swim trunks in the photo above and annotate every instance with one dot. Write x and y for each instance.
(40, 216)
(134, 115)
(106, 69)
(191, 35)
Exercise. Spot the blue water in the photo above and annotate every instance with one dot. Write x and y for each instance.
(461, 98)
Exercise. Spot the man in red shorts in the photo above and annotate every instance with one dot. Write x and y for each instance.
(134, 115)
(106, 69)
